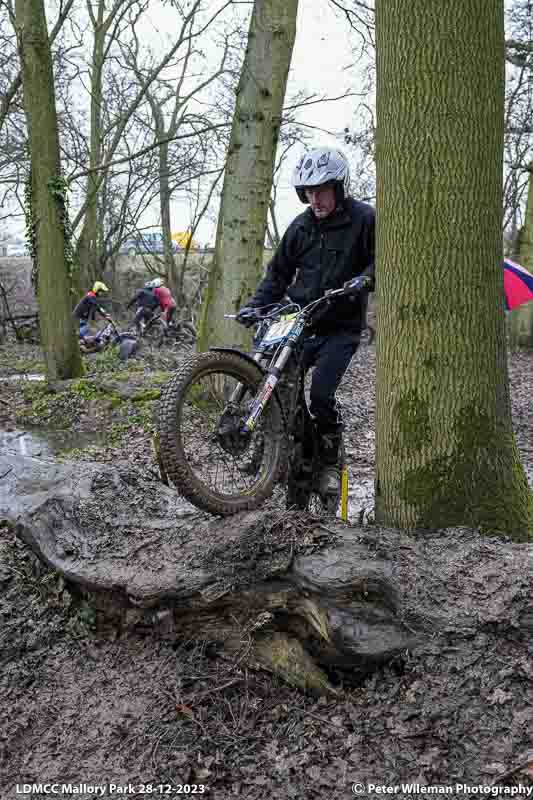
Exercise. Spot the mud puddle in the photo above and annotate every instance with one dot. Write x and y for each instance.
(24, 376)
(34, 443)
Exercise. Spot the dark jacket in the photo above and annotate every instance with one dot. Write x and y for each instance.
(88, 307)
(144, 298)
(315, 255)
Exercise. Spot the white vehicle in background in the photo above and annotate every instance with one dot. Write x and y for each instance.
(148, 243)
(17, 251)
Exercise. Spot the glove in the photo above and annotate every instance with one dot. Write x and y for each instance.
(246, 316)
(358, 284)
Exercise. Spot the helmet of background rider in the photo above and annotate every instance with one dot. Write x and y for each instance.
(322, 165)
(154, 284)
(99, 287)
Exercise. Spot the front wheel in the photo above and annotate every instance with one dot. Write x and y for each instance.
(202, 449)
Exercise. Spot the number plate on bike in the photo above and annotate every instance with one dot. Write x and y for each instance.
(278, 331)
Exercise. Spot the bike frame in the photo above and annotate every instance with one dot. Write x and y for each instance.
(274, 372)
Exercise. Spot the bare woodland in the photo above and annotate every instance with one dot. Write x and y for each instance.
(412, 622)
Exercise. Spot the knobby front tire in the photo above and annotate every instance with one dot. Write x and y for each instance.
(211, 477)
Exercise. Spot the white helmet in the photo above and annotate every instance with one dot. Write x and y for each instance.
(319, 166)
(155, 284)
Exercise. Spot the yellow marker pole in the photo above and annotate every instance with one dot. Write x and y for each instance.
(344, 494)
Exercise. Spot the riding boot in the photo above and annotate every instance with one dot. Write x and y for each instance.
(329, 455)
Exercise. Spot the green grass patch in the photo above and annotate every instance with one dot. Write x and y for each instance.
(33, 390)
(86, 388)
(24, 367)
(108, 361)
(145, 395)
(160, 378)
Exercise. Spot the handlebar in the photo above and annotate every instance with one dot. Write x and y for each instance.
(274, 310)
(278, 307)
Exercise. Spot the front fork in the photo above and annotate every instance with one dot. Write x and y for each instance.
(274, 373)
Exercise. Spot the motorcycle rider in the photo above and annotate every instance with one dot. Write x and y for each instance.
(146, 302)
(89, 306)
(166, 301)
(328, 246)
(152, 295)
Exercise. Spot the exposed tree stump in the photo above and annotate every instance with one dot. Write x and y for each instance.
(287, 592)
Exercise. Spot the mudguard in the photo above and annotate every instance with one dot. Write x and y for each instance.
(241, 353)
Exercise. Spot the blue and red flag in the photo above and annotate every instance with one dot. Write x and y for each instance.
(518, 284)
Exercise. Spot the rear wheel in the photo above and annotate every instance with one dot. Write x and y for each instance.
(300, 476)
(324, 506)
(202, 450)
(182, 334)
(154, 333)
(303, 483)
(328, 504)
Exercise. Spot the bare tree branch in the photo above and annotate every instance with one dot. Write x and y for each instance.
(16, 83)
(147, 149)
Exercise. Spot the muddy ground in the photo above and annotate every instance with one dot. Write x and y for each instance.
(87, 706)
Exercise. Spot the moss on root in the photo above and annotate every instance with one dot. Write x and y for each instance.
(284, 656)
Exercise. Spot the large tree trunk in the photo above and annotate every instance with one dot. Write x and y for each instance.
(60, 344)
(521, 322)
(88, 251)
(238, 261)
(445, 449)
(165, 193)
(164, 200)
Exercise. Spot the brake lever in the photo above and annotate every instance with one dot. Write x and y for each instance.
(329, 292)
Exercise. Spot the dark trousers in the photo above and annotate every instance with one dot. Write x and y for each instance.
(330, 356)
(143, 314)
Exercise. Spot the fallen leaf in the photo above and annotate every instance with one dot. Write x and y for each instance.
(181, 708)
(528, 769)
(201, 774)
(496, 768)
(499, 697)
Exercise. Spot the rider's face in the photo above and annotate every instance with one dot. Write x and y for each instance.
(321, 199)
